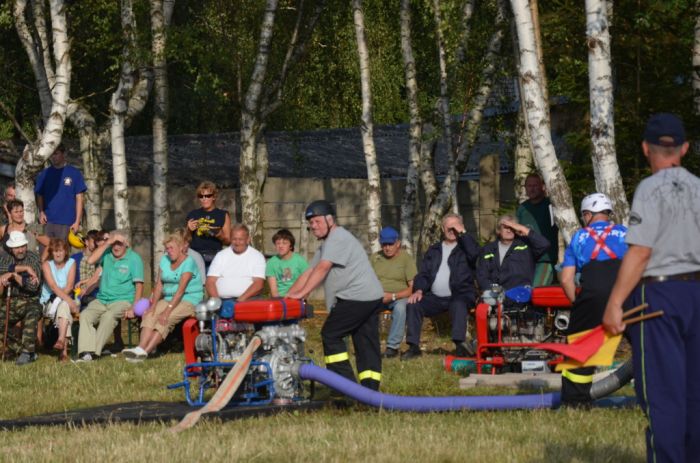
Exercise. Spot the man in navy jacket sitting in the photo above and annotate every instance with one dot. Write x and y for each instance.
(510, 260)
(445, 283)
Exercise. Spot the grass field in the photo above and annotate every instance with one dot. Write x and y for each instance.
(353, 434)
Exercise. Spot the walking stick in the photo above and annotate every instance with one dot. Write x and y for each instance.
(7, 322)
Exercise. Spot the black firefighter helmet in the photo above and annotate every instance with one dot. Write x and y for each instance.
(319, 207)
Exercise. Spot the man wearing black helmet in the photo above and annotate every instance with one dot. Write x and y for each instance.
(353, 296)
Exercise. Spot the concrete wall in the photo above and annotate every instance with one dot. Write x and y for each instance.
(285, 200)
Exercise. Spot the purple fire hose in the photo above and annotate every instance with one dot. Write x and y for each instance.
(425, 404)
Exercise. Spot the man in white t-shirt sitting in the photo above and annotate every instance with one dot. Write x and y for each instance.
(237, 272)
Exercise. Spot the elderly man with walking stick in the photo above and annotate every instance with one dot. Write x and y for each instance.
(20, 272)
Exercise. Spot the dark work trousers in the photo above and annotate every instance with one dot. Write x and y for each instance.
(360, 320)
(597, 280)
(432, 305)
(666, 353)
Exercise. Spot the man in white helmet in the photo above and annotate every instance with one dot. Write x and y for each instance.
(596, 252)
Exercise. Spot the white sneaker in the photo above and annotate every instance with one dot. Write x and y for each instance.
(135, 354)
(87, 357)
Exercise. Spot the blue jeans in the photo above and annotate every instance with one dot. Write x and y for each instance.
(398, 322)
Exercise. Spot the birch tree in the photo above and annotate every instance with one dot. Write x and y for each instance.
(443, 105)
(468, 133)
(260, 101)
(57, 68)
(93, 138)
(161, 12)
(118, 107)
(410, 195)
(539, 124)
(605, 168)
(374, 204)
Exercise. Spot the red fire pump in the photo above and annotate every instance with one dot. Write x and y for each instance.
(507, 333)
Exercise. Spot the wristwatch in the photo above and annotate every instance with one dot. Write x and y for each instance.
(393, 297)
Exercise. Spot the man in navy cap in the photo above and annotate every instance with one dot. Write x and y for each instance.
(662, 268)
(395, 270)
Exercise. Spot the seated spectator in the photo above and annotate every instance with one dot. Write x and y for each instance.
(121, 284)
(88, 275)
(283, 269)
(177, 290)
(510, 260)
(197, 257)
(209, 227)
(237, 272)
(8, 195)
(445, 283)
(395, 270)
(20, 275)
(16, 222)
(59, 275)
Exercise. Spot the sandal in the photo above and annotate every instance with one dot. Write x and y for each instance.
(59, 345)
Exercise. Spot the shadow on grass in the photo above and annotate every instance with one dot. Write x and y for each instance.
(590, 451)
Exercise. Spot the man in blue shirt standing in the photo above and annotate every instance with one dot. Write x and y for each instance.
(596, 252)
(59, 192)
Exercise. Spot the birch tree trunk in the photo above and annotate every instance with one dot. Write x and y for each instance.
(467, 13)
(118, 109)
(605, 168)
(36, 60)
(93, 142)
(523, 161)
(374, 202)
(260, 101)
(443, 105)
(468, 134)
(410, 195)
(251, 187)
(538, 122)
(696, 71)
(522, 157)
(535, 10)
(35, 155)
(161, 212)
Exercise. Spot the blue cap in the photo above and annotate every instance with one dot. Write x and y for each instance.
(388, 236)
(666, 126)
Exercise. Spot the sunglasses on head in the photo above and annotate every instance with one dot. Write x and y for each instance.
(210, 195)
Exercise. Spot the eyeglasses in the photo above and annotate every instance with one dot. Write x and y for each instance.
(200, 196)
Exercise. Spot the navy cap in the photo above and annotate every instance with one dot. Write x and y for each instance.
(388, 236)
(666, 126)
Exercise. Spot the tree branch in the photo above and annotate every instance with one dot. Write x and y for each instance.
(17, 125)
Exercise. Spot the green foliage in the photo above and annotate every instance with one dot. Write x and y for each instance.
(651, 42)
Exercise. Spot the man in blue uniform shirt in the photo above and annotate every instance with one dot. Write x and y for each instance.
(662, 268)
(59, 192)
(595, 252)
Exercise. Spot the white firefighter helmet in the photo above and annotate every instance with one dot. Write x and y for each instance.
(596, 202)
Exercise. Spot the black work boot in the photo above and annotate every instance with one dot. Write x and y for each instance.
(390, 352)
(464, 349)
(412, 352)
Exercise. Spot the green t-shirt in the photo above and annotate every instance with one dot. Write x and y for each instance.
(395, 273)
(285, 271)
(539, 218)
(119, 276)
(194, 291)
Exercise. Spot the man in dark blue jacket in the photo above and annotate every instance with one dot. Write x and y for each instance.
(510, 260)
(445, 282)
